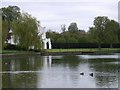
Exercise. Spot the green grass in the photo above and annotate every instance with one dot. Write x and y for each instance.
(62, 50)
(14, 52)
(83, 50)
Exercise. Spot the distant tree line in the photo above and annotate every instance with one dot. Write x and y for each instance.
(103, 31)
(25, 30)
(83, 45)
(24, 27)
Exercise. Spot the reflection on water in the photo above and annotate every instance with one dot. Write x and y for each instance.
(115, 56)
(60, 71)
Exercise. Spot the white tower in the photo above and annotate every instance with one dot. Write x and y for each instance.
(11, 40)
(44, 39)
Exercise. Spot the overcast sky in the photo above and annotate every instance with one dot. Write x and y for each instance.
(53, 13)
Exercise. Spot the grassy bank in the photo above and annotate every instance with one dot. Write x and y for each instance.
(83, 50)
(102, 50)
(15, 52)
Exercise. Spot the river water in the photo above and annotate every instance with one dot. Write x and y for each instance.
(75, 71)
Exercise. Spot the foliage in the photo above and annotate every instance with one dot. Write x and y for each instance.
(61, 40)
(24, 27)
(111, 32)
(104, 30)
(99, 28)
(73, 27)
(25, 32)
(4, 32)
(68, 37)
(10, 13)
(53, 35)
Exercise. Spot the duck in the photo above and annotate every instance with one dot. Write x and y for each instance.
(91, 74)
(81, 73)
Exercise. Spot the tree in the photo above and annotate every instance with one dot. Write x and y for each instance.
(53, 36)
(100, 26)
(4, 33)
(9, 14)
(61, 40)
(73, 27)
(92, 35)
(104, 31)
(111, 32)
(25, 31)
(72, 40)
(68, 36)
(97, 32)
(24, 27)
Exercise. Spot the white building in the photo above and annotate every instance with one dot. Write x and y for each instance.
(46, 41)
(11, 40)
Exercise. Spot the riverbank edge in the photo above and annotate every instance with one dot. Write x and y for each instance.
(63, 53)
(81, 53)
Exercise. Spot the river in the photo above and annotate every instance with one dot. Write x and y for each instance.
(68, 71)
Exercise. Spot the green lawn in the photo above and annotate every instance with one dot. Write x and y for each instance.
(83, 50)
(61, 50)
(14, 52)
(8, 51)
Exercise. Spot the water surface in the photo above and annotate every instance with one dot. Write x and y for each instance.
(34, 71)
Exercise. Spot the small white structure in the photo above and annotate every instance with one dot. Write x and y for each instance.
(11, 40)
(45, 40)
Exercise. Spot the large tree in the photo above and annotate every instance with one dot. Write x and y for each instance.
(9, 14)
(24, 27)
(104, 30)
(111, 32)
(100, 26)
(25, 31)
